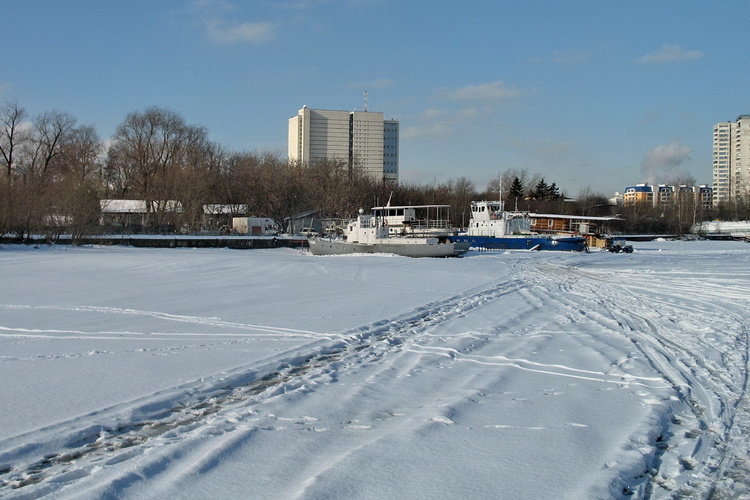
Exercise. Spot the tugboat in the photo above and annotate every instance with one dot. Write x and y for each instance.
(491, 227)
(394, 230)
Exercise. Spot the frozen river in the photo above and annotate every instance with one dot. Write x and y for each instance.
(195, 373)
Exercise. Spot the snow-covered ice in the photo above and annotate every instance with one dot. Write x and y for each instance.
(214, 373)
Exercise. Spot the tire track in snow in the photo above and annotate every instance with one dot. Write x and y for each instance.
(545, 368)
(726, 424)
(179, 318)
(718, 461)
(727, 427)
(223, 409)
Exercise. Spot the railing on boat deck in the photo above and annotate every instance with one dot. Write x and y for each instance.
(420, 226)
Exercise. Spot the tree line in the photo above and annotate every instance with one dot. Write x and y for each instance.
(55, 171)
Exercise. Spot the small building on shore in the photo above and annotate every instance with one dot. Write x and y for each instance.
(134, 213)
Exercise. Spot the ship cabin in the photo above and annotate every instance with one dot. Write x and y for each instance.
(590, 227)
(414, 219)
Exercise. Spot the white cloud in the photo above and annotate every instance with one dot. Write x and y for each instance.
(214, 15)
(431, 130)
(437, 122)
(475, 103)
(669, 155)
(222, 32)
(213, 5)
(468, 112)
(494, 91)
(663, 162)
(670, 53)
(433, 113)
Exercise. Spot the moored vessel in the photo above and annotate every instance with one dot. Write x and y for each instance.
(491, 227)
(395, 230)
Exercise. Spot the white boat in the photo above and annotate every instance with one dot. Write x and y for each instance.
(491, 227)
(395, 230)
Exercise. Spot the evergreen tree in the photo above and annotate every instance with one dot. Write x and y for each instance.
(541, 191)
(516, 189)
(553, 192)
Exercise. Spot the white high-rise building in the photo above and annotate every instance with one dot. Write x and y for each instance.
(390, 150)
(362, 139)
(731, 160)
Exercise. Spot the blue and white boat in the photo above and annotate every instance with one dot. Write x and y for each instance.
(491, 227)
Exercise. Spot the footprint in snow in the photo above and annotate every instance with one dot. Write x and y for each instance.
(442, 420)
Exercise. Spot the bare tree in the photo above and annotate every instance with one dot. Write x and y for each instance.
(337, 191)
(148, 150)
(49, 135)
(79, 190)
(81, 155)
(195, 181)
(36, 168)
(461, 196)
(591, 203)
(287, 192)
(681, 180)
(12, 135)
(12, 139)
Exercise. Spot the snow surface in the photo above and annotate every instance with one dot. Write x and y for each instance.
(215, 373)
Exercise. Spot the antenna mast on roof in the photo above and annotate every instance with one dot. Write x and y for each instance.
(365, 101)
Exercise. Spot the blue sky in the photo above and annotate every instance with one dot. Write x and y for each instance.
(597, 94)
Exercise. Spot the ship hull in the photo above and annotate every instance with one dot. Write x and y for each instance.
(410, 247)
(535, 242)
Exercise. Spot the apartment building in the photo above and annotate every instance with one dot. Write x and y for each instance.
(731, 160)
(640, 193)
(362, 139)
(665, 195)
